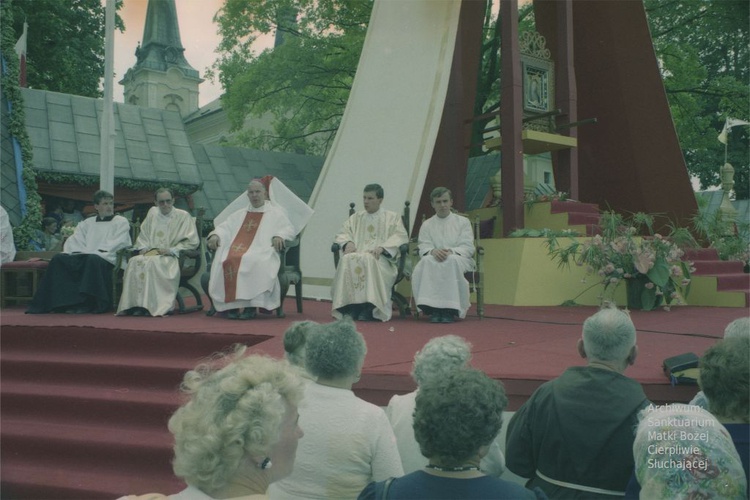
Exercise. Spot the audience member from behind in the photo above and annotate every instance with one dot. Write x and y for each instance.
(295, 344)
(456, 420)
(737, 328)
(238, 431)
(683, 452)
(725, 379)
(573, 438)
(348, 442)
(437, 359)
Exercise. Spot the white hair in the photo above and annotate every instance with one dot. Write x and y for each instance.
(738, 328)
(608, 335)
(439, 357)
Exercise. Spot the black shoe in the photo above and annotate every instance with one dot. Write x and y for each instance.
(447, 316)
(140, 311)
(436, 317)
(249, 313)
(81, 310)
(233, 314)
(366, 314)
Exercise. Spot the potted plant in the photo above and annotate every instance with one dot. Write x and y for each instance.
(651, 265)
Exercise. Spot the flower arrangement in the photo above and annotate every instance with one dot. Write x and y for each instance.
(651, 266)
(531, 198)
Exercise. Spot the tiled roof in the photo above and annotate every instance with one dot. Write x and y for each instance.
(225, 172)
(150, 145)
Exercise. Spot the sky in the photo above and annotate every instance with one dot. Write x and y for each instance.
(197, 31)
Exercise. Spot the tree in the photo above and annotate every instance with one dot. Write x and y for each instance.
(65, 43)
(704, 55)
(304, 82)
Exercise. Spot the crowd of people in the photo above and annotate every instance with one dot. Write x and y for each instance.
(254, 427)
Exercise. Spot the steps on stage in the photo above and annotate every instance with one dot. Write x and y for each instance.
(716, 281)
(85, 410)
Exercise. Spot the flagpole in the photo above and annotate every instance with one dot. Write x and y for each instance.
(107, 132)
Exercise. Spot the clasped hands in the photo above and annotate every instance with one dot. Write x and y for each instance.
(350, 247)
(440, 254)
(213, 243)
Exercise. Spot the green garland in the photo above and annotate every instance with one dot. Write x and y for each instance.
(135, 185)
(23, 232)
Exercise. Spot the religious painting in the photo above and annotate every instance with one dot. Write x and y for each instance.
(536, 86)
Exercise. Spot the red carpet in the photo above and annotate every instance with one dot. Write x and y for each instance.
(85, 399)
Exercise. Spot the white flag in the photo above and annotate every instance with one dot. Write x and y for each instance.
(728, 124)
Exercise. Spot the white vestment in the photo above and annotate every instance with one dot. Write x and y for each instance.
(7, 246)
(442, 285)
(151, 281)
(257, 279)
(104, 239)
(360, 277)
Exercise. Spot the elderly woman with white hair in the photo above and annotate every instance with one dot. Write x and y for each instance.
(348, 442)
(238, 430)
(295, 344)
(438, 358)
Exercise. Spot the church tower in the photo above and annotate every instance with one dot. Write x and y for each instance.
(162, 78)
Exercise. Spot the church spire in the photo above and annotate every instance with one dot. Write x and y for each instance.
(161, 77)
(162, 48)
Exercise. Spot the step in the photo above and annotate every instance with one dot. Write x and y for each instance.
(58, 481)
(87, 404)
(102, 446)
(575, 219)
(701, 254)
(714, 267)
(110, 370)
(734, 282)
(96, 341)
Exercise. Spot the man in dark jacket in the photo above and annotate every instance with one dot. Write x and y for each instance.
(574, 437)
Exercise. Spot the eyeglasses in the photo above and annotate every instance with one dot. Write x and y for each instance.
(165, 202)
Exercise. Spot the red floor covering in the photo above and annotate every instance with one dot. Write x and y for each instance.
(522, 346)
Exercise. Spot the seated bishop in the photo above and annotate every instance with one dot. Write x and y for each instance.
(247, 239)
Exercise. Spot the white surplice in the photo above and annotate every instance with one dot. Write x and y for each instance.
(151, 281)
(360, 277)
(257, 281)
(442, 285)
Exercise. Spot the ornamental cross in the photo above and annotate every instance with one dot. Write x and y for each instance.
(239, 247)
(251, 224)
(229, 273)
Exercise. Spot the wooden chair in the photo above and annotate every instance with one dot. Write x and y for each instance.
(404, 307)
(190, 263)
(20, 278)
(290, 272)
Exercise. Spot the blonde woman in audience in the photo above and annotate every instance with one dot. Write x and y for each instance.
(437, 359)
(238, 431)
(348, 442)
(683, 452)
(456, 420)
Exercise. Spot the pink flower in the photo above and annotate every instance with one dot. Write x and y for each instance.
(649, 285)
(685, 282)
(613, 280)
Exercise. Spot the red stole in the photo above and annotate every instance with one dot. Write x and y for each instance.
(240, 246)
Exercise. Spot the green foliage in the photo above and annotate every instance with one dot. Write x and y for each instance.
(619, 254)
(25, 231)
(302, 84)
(65, 43)
(135, 185)
(703, 51)
(731, 239)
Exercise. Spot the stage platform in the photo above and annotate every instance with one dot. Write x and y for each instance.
(522, 346)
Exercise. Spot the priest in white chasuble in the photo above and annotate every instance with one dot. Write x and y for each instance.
(446, 248)
(152, 276)
(369, 241)
(247, 241)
